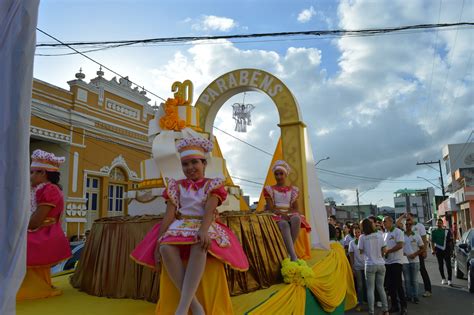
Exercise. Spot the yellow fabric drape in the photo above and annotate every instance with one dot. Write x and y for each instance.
(303, 245)
(270, 178)
(212, 293)
(333, 284)
(289, 300)
(334, 280)
(37, 285)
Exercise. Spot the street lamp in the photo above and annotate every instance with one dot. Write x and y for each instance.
(319, 161)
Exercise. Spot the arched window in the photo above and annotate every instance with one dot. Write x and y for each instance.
(117, 185)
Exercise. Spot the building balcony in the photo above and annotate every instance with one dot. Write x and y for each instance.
(464, 194)
(447, 206)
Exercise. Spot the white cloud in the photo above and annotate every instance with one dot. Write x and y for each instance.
(371, 117)
(214, 23)
(306, 15)
(392, 99)
(376, 116)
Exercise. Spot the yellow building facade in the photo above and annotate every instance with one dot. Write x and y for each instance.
(101, 127)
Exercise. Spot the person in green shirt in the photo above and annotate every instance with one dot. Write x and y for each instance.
(442, 245)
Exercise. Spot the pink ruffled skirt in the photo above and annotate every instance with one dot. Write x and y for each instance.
(224, 244)
(47, 246)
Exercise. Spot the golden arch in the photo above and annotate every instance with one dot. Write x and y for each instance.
(292, 128)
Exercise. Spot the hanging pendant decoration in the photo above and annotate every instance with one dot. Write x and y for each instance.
(242, 115)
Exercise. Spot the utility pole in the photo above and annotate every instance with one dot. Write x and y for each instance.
(407, 201)
(358, 205)
(440, 173)
(428, 205)
(448, 217)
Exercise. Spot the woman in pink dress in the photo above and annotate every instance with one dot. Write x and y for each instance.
(282, 201)
(189, 230)
(46, 243)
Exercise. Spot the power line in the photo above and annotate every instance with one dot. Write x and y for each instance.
(243, 141)
(366, 178)
(434, 57)
(373, 31)
(463, 148)
(247, 180)
(96, 62)
(328, 183)
(319, 33)
(353, 176)
(96, 48)
(452, 52)
(96, 138)
(450, 64)
(468, 72)
(111, 141)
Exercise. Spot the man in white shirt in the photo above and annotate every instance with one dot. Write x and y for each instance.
(394, 240)
(348, 238)
(420, 229)
(357, 260)
(412, 248)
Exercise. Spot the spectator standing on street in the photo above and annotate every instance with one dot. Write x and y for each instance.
(339, 236)
(419, 228)
(378, 229)
(358, 265)
(412, 248)
(371, 245)
(455, 231)
(442, 245)
(349, 236)
(332, 220)
(394, 240)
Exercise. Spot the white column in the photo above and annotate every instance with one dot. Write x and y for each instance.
(74, 171)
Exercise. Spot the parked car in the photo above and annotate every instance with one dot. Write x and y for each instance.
(70, 264)
(464, 258)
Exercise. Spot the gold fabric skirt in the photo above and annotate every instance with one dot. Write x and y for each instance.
(37, 284)
(105, 268)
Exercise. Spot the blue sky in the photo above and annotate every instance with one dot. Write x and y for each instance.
(375, 105)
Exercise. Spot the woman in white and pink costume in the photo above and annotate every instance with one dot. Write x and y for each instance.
(189, 230)
(282, 201)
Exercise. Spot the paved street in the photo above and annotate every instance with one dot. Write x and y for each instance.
(454, 300)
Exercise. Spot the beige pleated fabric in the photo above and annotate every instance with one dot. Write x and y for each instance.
(106, 269)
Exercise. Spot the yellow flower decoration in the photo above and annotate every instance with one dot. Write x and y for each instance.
(171, 121)
(297, 272)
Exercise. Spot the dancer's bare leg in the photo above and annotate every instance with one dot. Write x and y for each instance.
(295, 223)
(286, 233)
(192, 277)
(175, 268)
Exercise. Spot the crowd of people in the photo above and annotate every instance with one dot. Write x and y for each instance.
(387, 255)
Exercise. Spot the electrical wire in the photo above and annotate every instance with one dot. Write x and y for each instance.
(319, 33)
(433, 61)
(366, 178)
(243, 141)
(177, 39)
(96, 62)
(443, 91)
(96, 48)
(468, 140)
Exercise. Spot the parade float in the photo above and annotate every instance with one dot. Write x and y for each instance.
(320, 282)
